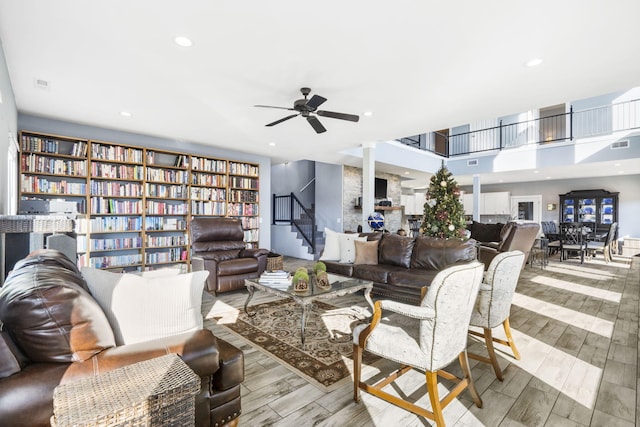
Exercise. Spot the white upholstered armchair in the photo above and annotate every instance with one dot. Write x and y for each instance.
(437, 339)
(493, 305)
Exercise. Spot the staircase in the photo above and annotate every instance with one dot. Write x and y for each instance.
(288, 210)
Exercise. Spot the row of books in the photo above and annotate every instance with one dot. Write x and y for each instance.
(38, 164)
(110, 244)
(35, 184)
(115, 188)
(208, 165)
(116, 153)
(101, 205)
(156, 223)
(109, 224)
(165, 175)
(207, 208)
(239, 182)
(53, 146)
(107, 170)
(243, 169)
(243, 196)
(204, 193)
(166, 191)
(243, 209)
(208, 180)
(175, 254)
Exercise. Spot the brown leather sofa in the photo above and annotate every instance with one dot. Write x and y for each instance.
(514, 236)
(406, 264)
(217, 243)
(485, 233)
(54, 332)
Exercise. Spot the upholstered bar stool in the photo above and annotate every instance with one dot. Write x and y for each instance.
(493, 305)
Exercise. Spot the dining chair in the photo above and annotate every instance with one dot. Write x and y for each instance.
(493, 305)
(606, 245)
(573, 240)
(433, 340)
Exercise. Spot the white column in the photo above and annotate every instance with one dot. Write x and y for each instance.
(476, 198)
(368, 181)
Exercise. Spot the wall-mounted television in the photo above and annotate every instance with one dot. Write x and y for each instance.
(380, 191)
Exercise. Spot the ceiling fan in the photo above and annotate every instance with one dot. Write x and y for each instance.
(308, 108)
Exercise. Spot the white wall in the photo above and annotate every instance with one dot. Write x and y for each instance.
(8, 130)
(627, 185)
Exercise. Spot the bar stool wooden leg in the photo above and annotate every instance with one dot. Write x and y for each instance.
(488, 338)
(436, 406)
(512, 343)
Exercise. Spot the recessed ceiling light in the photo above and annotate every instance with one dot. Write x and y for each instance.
(272, 144)
(534, 62)
(125, 114)
(547, 177)
(407, 173)
(621, 172)
(183, 41)
(617, 165)
(536, 171)
(501, 180)
(367, 113)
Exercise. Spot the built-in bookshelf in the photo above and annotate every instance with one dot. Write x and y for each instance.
(133, 203)
(209, 181)
(243, 199)
(54, 169)
(167, 208)
(114, 235)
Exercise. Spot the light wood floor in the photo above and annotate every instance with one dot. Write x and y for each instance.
(576, 327)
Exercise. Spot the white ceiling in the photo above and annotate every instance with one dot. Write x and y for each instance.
(417, 65)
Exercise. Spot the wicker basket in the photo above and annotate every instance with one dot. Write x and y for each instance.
(274, 262)
(156, 392)
(16, 224)
(36, 224)
(52, 225)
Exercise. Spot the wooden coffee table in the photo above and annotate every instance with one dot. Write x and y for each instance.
(340, 286)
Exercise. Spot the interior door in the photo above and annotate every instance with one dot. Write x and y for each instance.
(441, 138)
(526, 208)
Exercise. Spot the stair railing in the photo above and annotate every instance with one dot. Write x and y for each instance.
(289, 210)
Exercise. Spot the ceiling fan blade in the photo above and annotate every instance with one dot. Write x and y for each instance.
(315, 102)
(315, 124)
(341, 116)
(282, 120)
(271, 106)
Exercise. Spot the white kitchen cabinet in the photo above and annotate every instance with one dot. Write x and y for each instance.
(467, 203)
(413, 203)
(408, 203)
(497, 203)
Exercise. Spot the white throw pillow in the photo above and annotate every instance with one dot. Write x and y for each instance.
(348, 246)
(331, 246)
(145, 308)
(161, 272)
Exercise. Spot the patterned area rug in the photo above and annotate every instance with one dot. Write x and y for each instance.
(325, 358)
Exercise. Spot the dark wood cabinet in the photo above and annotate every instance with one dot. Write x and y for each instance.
(596, 208)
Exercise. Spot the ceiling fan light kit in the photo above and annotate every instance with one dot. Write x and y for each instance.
(308, 108)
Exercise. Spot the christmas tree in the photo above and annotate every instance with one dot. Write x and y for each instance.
(443, 211)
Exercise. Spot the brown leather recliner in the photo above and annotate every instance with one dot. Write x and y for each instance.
(54, 332)
(515, 236)
(218, 243)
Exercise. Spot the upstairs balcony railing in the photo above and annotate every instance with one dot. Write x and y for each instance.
(544, 130)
